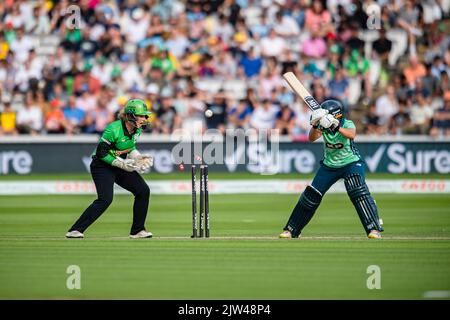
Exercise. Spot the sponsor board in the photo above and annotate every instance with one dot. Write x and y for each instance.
(291, 157)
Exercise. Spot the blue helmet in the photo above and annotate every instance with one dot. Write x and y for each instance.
(334, 107)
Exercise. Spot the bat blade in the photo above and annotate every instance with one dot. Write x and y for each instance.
(298, 88)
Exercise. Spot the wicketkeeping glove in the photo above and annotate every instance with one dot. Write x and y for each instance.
(125, 164)
(143, 163)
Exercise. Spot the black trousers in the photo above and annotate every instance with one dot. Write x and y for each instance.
(104, 177)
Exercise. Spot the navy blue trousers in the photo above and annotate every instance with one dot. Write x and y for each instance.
(325, 177)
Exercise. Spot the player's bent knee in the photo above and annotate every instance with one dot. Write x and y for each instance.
(143, 191)
(104, 202)
(311, 198)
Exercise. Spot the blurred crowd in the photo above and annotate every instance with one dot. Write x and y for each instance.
(70, 66)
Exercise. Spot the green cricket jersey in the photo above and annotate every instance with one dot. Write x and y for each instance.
(118, 138)
(339, 150)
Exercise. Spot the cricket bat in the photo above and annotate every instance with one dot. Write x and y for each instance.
(299, 89)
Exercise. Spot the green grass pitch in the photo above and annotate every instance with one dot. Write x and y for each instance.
(243, 260)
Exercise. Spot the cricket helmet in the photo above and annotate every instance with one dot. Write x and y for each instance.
(136, 107)
(334, 107)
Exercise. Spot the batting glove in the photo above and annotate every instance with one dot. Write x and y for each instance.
(316, 116)
(329, 122)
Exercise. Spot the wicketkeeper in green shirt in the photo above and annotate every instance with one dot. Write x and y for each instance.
(116, 160)
(341, 161)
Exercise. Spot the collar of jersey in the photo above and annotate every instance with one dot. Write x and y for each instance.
(125, 130)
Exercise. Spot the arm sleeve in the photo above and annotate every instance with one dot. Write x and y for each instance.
(105, 145)
(349, 125)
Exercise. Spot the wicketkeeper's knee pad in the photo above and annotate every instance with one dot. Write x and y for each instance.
(363, 201)
(304, 210)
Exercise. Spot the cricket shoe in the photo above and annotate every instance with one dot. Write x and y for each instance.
(74, 234)
(286, 234)
(141, 234)
(374, 234)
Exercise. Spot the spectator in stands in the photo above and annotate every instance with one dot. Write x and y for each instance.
(354, 42)
(319, 92)
(334, 61)
(262, 27)
(285, 122)
(102, 70)
(358, 66)
(269, 81)
(8, 119)
(225, 65)
(206, 67)
(272, 45)
(54, 121)
(177, 42)
(400, 86)
(289, 61)
(314, 46)
(413, 71)
(165, 62)
(135, 25)
(400, 123)
(14, 18)
(408, 18)
(126, 47)
(239, 115)
(382, 47)
(85, 81)
(72, 39)
(264, 116)
(444, 84)
(371, 122)
(21, 46)
(301, 122)
(421, 115)
(39, 22)
(156, 76)
(386, 106)
(441, 120)
(167, 118)
(97, 119)
(339, 86)
(359, 16)
(285, 26)
(74, 115)
(318, 19)
(130, 73)
(438, 67)
(429, 82)
(224, 29)
(29, 118)
(27, 76)
(4, 47)
(251, 63)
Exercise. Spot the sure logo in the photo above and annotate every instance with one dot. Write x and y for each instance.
(19, 162)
